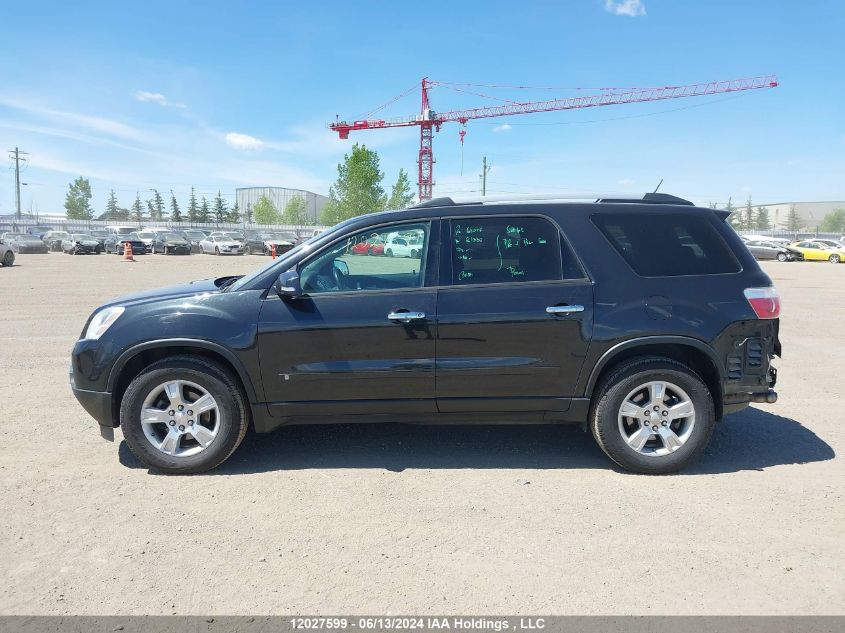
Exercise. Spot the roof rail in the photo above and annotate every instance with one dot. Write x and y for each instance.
(647, 198)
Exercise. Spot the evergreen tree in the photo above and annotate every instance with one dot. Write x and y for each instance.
(248, 213)
(763, 221)
(235, 213)
(137, 209)
(748, 220)
(402, 195)
(157, 212)
(295, 212)
(221, 212)
(265, 212)
(175, 213)
(78, 200)
(733, 219)
(357, 189)
(794, 222)
(193, 209)
(111, 206)
(204, 214)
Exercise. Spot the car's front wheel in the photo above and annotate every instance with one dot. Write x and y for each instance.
(183, 415)
(8, 259)
(782, 257)
(652, 415)
(834, 259)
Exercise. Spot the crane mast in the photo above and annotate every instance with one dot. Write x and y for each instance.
(430, 121)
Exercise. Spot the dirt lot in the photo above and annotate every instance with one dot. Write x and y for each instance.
(406, 519)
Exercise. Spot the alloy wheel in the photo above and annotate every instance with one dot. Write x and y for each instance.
(656, 418)
(180, 418)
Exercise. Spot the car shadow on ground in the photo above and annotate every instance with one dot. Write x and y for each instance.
(749, 440)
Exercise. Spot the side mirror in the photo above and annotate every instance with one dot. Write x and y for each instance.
(287, 286)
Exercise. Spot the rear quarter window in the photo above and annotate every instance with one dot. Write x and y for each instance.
(667, 244)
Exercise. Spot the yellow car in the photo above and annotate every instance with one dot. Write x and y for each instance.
(817, 251)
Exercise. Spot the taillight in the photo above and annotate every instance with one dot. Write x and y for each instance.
(764, 301)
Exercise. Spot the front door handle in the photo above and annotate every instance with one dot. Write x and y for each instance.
(564, 309)
(405, 316)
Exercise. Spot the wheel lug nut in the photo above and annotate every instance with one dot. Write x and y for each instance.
(190, 412)
(181, 427)
(172, 422)
(665, 413)
(664, 423)
(654, 428)
(656, 408)
(648, 412)
(180, 407)
(191, 423)
(172, 412)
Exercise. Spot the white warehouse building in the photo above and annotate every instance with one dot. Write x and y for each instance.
(280, 196)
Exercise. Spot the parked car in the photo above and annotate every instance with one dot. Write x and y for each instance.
(121, 229)
(372, 245)
(37, 231)
(170, 243)
(769, 250)
(81, 244)
(235, 235)
(403, 246)
(263, 243)
(29, 244)
(221, 245)
(195, 236)
(147, 238)
(834, 244)
(115, 244)
(9, 237)
(524, 312)
(100, 236)
(53, 239)
(813, 250)
(7, 255)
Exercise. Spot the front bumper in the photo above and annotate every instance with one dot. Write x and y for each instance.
(177, 249)
(34, 250)
(98, 404)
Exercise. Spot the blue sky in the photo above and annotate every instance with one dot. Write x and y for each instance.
(222, 94)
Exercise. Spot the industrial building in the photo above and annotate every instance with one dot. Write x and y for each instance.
(280, 196)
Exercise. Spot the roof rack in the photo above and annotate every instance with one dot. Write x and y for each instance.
(647, 198)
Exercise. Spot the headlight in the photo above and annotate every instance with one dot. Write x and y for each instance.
(102, 321)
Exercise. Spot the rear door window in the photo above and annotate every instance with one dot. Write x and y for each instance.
(667, 245)
(509, 249)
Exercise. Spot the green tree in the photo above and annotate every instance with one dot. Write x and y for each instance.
(794, 222)
(193, 209)
(833, 222)
(78, 200)
(175, 213)
(137, 209)
(401, 195)
(221, 210)
(357, 189)
(733, 219)
(248, 213)
(235, 213)
(111, 206)
(764, 223)
(204, 214)
(157, 208)
(296, 211)
(748, 219)
(265, 212)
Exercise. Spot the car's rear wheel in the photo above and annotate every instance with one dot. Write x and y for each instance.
(183, 415)
(414, 254)
(833, 259)
(781, 257)
(216, 250)
(652, 415)
(389, 252)
(8, 258)
(247, 250)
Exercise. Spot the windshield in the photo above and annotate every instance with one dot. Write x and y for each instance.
(81, 237)
(100, 233)
(171, 236)
(130, 236)
(196, 235)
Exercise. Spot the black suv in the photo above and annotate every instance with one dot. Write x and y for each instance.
(646, 319)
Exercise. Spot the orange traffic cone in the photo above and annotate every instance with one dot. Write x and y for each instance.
(273, 251)
(127, 253)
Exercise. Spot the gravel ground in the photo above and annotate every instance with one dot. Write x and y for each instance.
(404, 519)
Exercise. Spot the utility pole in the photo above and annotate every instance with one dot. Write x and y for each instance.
(484, 171)
(16, 155)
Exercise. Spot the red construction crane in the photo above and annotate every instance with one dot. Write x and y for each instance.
(429, 121)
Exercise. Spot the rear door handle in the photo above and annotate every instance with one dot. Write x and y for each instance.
(405, 316)
(564, 309)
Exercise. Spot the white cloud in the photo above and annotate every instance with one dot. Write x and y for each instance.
(504, 127)
(157, 97)
(243, 141)
(631, 8)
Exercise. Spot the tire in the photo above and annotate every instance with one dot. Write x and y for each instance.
(165, 251)
(389, 252)
(216, 250)
(8, 259)
(655, 457)
(414, 254)
(782, 257)
(247, 250)
(229, 419)
(834, 259)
